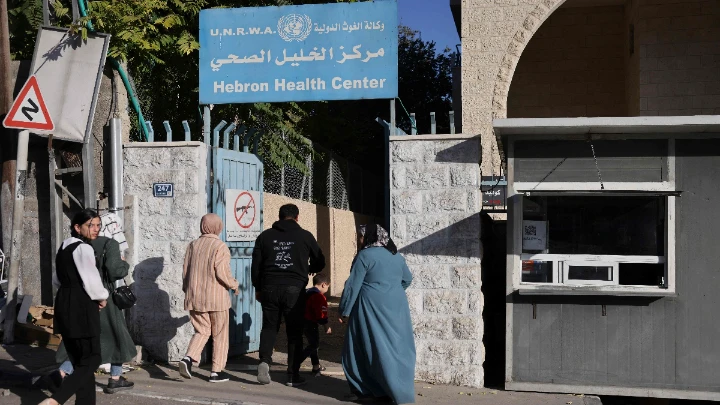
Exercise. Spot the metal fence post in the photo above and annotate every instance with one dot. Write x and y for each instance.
(331, 180)
(347, 183)
(433, 125)
(226, 136)
(413, 122)
(393, 122)
(309, 164)
(452, 122)
(216, 133)
(282, 172)
(206, 125)
(168, 131)
(249, 135)
(151, 131)
(186, 128)
(208, 158)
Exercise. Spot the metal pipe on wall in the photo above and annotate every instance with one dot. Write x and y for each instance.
(116, 168)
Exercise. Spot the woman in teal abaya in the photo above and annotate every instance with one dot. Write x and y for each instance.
(379, 352)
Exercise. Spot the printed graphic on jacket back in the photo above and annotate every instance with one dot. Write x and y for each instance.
(283, 254)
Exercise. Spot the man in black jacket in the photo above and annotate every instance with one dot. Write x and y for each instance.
(283, 258)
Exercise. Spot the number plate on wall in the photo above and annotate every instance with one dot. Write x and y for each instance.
(166, 190)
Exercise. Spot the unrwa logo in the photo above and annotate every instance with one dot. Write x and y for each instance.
(294, 27)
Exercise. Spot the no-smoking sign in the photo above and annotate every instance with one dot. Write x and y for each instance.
(242, 215)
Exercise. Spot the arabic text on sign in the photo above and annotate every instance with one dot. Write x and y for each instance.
(314, 55)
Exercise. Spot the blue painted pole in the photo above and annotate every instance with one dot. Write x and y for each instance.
(236, 140)
(251, 134)
(413, 122)
(256, 139)
(186, 128)
(168, 131)
(151, 131)
(226, 136)
(216, 133)
(206, 125)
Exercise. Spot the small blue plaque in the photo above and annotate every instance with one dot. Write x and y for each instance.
(165, 190)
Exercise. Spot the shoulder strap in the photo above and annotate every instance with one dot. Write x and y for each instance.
(103, 268)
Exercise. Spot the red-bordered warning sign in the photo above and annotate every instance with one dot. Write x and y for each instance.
(242, 215)
(245, 210)
(28, 110)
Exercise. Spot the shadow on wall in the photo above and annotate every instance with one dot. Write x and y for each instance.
(239, 336)
(458, 243)
(457, 153)
(153, 325)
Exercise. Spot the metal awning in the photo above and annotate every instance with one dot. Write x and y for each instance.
(614, 193)
(696, 126)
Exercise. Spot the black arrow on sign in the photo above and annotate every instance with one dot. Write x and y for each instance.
(27, 110)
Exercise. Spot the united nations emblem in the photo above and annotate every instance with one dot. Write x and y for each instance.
(294, 27)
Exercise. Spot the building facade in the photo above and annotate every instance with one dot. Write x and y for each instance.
(529, 59)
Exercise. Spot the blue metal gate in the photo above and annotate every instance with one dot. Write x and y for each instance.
(235, 170)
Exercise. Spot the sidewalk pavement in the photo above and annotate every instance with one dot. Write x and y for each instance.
(161, 384)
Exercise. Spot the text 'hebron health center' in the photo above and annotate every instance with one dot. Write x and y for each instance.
(282, 85)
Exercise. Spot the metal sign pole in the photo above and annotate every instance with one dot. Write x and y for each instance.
(393, 122)
(17, 236)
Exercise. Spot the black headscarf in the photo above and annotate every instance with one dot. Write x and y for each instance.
(375, 236)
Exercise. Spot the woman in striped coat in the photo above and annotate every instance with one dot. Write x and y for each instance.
(206, 281)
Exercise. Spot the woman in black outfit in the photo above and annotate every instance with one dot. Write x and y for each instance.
(79, 298)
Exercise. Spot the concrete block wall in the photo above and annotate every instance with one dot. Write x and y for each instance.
(679, 52)
(161, 230)
(435, 221)
(573, 66)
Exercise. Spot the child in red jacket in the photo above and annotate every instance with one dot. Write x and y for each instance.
(316, 313)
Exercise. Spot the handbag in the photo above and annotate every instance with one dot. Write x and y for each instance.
(122, 296)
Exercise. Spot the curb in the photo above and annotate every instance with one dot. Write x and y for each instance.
(185, 399)
(592, 400)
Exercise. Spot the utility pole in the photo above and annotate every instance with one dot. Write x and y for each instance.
(8, 139)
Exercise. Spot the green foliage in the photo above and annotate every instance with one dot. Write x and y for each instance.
(157, 39)
(425, 81)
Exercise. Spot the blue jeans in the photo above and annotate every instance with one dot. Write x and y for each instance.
(67, 368)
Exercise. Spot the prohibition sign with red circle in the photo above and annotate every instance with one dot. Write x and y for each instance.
(241, 211)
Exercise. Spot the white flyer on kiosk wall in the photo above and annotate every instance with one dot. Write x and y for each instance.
(534, 235)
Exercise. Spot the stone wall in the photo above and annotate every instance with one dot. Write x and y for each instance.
(161, 231)
(573, 66)
(673, 70)
(435, 221)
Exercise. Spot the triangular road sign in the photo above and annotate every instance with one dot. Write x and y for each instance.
(28, 110)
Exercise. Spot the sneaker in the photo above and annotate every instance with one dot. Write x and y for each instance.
(120, 384)
(295, 381)
(185, 367)
(219, 377)
(263, 375)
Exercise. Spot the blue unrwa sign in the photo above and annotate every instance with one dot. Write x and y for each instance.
(316, 52)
